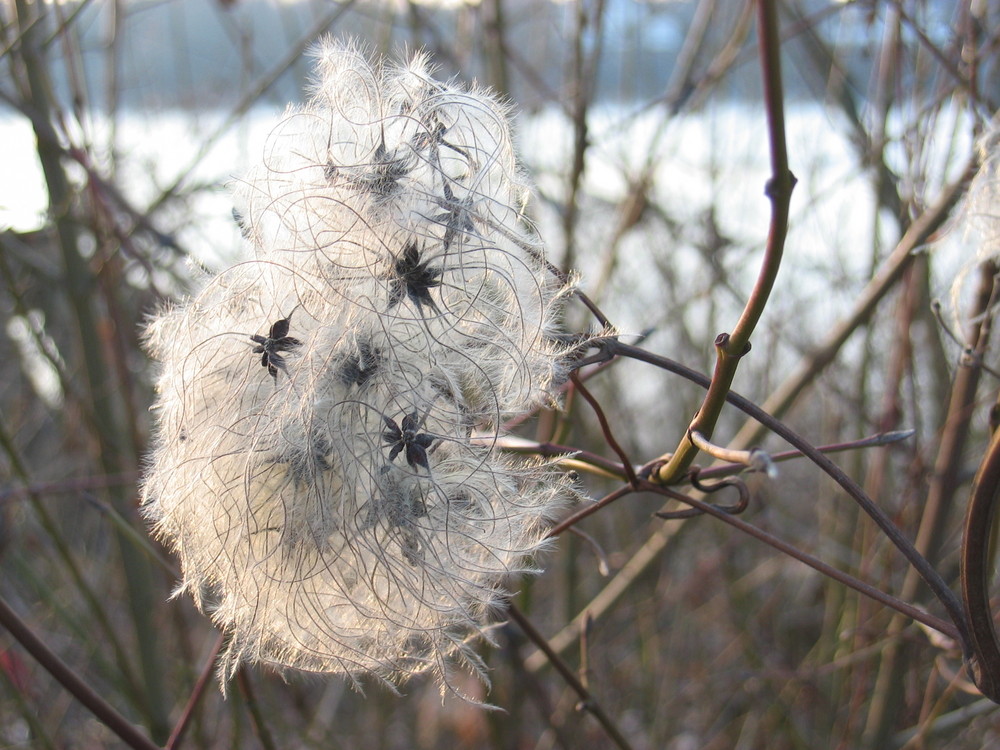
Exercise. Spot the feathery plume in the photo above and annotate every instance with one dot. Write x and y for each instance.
(319, 463)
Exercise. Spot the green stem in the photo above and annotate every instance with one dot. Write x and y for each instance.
(730, 347)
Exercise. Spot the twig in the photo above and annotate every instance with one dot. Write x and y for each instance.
(587, 701)
(196, 694)
(716, 472)
(606, 428)
(70, 680)
(256, 716)
(872, 441)
(736, 508)
(754, 458)
(602, 558)
(571, 455)
(588, 510)
(930, 576)
(730, 348)
(575, 458)
(919, 615)
(918, 232)
(585, 80)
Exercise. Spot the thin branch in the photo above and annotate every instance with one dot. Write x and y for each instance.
(256, 715)
(918, 232)
(872, 441)
(606, 428)
(730, 348)
(918, 615)
(575, 458)
(590, 510)
(65, 676)
(602, 558)
(754, 458)
(196, 694)
(587, 701)
(930, 576)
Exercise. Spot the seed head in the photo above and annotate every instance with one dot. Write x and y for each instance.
(320, 482)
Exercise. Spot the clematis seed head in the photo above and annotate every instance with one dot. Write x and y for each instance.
(318, 463)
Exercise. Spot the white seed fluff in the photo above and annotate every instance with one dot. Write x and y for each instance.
(319, 464)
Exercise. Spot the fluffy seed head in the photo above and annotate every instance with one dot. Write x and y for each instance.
(981, 211)
(322, 463)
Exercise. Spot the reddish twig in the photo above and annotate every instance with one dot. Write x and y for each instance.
(199, 690)
(606, 429)
(256, 716)
(868, 590)
(931, 577)
(588, 510)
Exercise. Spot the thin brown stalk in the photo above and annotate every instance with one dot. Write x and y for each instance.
(804, 375)
(256, 714)
(69, 679)
(587, 701)
(606, 429)
(589, 510)
(931, 577)
(873, 441)
(177, 734)
(914, 613)
(944, 483)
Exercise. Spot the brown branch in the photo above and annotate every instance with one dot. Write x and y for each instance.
(587, 701)
(919, 615)
(69, 679)
(931, 577)
(782, 398)
(196, 694)
(606, 429)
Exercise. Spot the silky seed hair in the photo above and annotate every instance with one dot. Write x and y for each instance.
(976, 220)
(326, 410)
